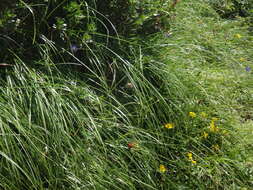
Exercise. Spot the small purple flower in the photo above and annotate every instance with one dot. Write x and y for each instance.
(74, 48)
(248, 69)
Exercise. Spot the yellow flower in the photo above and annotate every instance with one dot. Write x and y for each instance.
(216, 147)
(192, 114)
(203, 114)
(189, 154)
(162, 168)
(242, 59)
(169, 125)
(238, 36)
(205, 135)
(213, 128)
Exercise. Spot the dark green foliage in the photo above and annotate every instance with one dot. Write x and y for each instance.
(26, 25)
(233, 8)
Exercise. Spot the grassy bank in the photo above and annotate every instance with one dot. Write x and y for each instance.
(174, 112)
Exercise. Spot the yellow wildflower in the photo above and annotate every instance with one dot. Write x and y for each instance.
(213, 128)
(162, 168)
(216, 147)
(189, 154)
(242, 59)
(192, 114)
(169, 125)
(203, 114)
(205, 135)
(238, 36)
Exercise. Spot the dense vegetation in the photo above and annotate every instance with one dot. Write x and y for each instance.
(126, 94)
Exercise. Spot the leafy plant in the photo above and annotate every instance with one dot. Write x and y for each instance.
(232, 8)
(26, 25)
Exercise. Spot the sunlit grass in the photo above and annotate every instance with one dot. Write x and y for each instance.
(162, 118)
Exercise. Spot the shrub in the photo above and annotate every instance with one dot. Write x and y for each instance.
(232, 8)
(27, 25)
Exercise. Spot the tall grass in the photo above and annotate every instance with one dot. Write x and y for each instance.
(145, 119)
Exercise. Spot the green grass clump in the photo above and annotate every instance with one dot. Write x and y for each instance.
(167, 114)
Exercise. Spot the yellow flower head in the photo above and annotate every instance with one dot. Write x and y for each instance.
(216, 147)
(189, 154)
(238, 36)
(205, 135)
(203, 114)
(162, 168)
(213, 128)
(242, 59)
(215, 119)
(192, 114)
(169, 125)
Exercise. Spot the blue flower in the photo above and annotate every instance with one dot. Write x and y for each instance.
(248, 69)
(74, 48)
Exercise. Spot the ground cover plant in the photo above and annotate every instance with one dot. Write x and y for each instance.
(125, 95)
